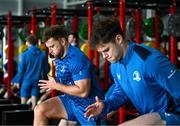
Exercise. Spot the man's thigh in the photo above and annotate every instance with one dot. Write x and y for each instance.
(146, 119)
(54, 108)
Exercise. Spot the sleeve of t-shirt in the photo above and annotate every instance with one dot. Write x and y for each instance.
(81, 68)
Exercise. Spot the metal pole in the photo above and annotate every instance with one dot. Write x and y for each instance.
(53, 14)
(122, 14)
(173, 40)
(156, 27)
(47, 22)
(53, 22)
(33, 22)
(75, 24)
(96, 52)
(122, 6)
(10, 54)
(90, 14)
(138, 25)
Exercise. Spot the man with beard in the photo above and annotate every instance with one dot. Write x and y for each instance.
(75, 77)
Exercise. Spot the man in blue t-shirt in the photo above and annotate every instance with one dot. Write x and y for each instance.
(75, 78)
(73, 39)
(141, 75)
(32, 67)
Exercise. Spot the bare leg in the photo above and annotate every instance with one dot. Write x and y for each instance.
(23, 100)
(151, 119)
(45, 96)
(34, 101)
(52, 108)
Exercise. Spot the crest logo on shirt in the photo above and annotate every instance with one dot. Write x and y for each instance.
(136, 76)
(118, 76)
(63, 68)
(80, 72)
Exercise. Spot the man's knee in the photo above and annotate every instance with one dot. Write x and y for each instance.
(64, 122)
(39, 109)
(147, 119)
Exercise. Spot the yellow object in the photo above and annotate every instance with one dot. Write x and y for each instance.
(84, 48)
(42, 47)
(6, 51)
(151, 44)
(22, 48)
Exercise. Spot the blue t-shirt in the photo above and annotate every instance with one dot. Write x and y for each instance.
(76, 66)
(147, 78)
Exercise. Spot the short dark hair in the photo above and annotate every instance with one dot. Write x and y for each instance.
(75, 35)
(31, 39)
(105, 31)
(56, 32)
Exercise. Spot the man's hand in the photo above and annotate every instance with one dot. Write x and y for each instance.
(94, 109)
(47, 84)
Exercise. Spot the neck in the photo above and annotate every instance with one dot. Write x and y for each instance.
(65, 51)
(125, 48)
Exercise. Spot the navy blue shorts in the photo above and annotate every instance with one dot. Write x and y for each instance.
(75, 113)
(29, 89)
(170, 118)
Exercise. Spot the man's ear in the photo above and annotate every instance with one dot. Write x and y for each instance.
(118, 39)
(63, 41)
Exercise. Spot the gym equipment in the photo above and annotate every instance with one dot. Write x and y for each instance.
(40, 31)
(84, 32)
(131, 28)
(14, 32)
(173, 39)
(149, 25)
(139, 26)
(5, 101)
(5, 107)
(6, 51)
(68, 24)
(84, 48)
(54, 122)
(98, 17)
(172, 24)
(1, 33)
(18, 117)
(25, 31)
(10, 21)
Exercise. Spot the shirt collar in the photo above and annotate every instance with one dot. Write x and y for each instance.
(129, 52)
